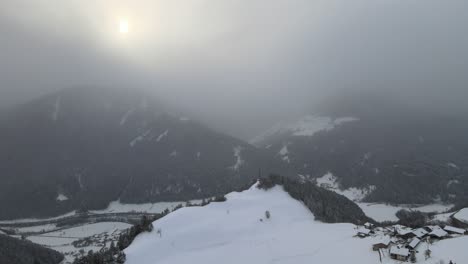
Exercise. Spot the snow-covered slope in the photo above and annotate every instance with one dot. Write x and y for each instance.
(238, 231)
(381, 151)
(386, 212)
(330, 182)
(304, 126)
(377, 211)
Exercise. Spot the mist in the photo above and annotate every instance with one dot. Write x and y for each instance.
(241, 66)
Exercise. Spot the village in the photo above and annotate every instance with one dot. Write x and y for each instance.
(405, 244)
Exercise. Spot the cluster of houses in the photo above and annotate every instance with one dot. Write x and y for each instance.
(401, 241)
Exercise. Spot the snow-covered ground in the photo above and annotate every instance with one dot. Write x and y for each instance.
(154, 208)
(31, 220)
(305, 126)
(99, 234)
(237, 155)
(377, 211)
(238, 231)
(61, 197)
(443, 217)
(385, 212)
(114, 207)
(38, 228)
(330, 182)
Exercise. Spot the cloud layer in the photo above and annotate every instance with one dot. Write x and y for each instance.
(252, 62)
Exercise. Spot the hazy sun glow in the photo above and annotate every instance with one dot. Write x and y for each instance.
(123, 26)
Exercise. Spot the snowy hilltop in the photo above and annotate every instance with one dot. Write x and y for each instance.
(263, 226)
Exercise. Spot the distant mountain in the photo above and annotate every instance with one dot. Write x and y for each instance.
(397, 156)
(82, 148)
(17, 251)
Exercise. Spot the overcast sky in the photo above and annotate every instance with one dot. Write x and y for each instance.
(241, 65)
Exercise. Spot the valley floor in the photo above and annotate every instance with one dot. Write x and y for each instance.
(91, 232)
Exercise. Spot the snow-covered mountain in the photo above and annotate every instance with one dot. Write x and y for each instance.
(385, 155)
(86, 147)
(239, 231)
(304, 126)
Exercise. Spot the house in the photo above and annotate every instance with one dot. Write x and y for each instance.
(454, 230)
(419, 233)
(461, 218)
(369, 225)
(403, 232)
(406, 234)
(362, 232)
(414, 243)
(431, 228)
(438, 233)
(398, 253)
(383, 243)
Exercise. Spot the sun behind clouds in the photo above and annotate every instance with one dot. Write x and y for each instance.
(123, 26)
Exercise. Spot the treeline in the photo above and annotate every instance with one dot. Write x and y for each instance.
(18, 251)
(412, 218)
(326, 205)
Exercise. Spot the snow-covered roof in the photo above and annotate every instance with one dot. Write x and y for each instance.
(454, 230)
(362, 230)
(402, 230)
(438, 232)
(414, 243)
(420, 232)
(384, 240)
(399, 251)
(462, 215)
(432, 227)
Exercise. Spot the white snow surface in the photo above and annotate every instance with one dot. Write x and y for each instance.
(38, 228)
(162, 136)
(155, 208)
(385, 212)
(444, 217)
(377, 211)
(305, 126)
(237, 154)
(330, 182)
(462, 215)
(79, 232)
(231, 232)
(61, 197)
(124, 118)
(100, 233)
(284, 153)
(140, 138)
(29, 220)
